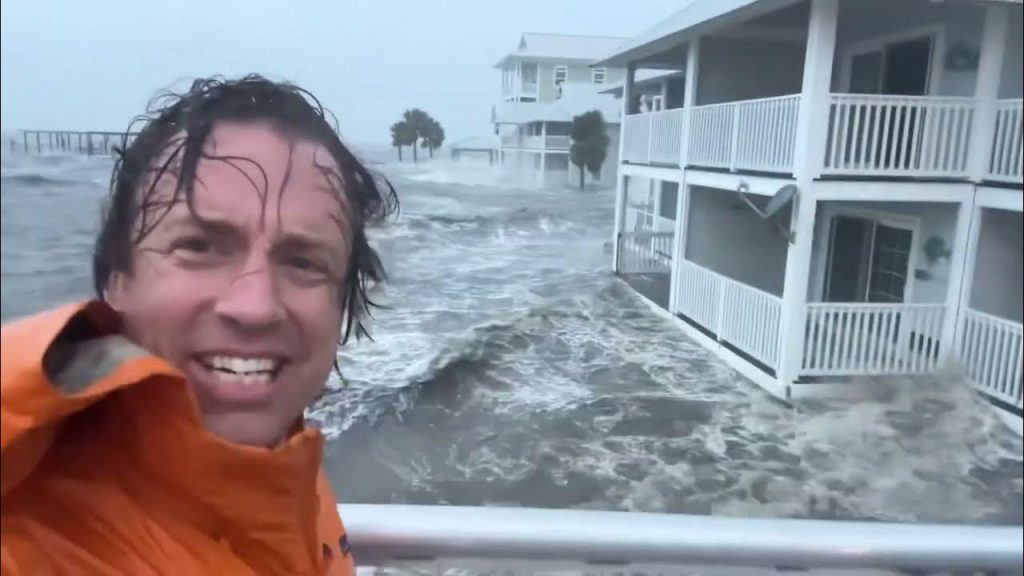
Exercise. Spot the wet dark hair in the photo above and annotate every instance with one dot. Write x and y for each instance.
(171, 142)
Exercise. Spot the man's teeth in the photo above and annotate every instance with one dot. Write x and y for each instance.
(246, 371)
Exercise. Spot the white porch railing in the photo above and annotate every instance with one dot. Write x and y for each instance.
(1007, 158)
(755, 135)
(736, 313)
(666, 136)
(557, 142)
(991, 352)
(645, 253)
(653, 137)
(518, 541)
(850, 339)
(882, 135)
(636, 136)
(537, 142)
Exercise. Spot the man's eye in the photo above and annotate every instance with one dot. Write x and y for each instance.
(304, 264)
(194, 244)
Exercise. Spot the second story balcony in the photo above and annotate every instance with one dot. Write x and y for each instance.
(899, 104)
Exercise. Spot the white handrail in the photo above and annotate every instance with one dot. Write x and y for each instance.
(891, 135)
(871, 338)
(645, 252)
(1007, 160)
(737, 313)
(992, 352)
(758, 134)
(385, 534)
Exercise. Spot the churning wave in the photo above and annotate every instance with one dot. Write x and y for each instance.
(36, 179)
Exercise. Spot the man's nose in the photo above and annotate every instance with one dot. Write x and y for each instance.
(253, 298)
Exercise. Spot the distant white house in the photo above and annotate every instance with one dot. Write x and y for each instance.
(547, 81)
(821, 190)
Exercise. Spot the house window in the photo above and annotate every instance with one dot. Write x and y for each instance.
(598, 74)
(561, 74)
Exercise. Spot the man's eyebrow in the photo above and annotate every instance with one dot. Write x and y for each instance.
(300, 240)
(210, 225)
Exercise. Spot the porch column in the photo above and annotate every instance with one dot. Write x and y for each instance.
(965, 243)
(620, 187)
(986, 91)
(543, 146)
(683, 195)
(812, 118)
(689, 97)
(970, 260)
(679, 246)
(808, 159)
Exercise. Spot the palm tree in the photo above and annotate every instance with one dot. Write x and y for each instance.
(419, 125)
(434, 137)
(401, 135)
(589, 147)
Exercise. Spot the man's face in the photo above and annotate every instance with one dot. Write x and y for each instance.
(244, 300)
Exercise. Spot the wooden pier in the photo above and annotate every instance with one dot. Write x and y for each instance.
(91, 143)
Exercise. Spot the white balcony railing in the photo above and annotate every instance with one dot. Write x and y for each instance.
(645, 253)
(871, 339)
(636, 138)
(1007, 159)
(527, 540)
(991, 352)
(882, 135)
(653, 137)
(757, 135)
(741, 315)
(557, 142)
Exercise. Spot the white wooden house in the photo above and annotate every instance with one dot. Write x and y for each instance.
(898, 125)
(546, 81)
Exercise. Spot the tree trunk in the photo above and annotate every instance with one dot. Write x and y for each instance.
(415, 159)
(399, 153)
(431, 148)
(582, 173)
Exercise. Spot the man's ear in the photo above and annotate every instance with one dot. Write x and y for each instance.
(116, 291)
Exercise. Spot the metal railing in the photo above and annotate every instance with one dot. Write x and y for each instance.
(871, 339)
(737, 313)
(389, 535)
(645, 253)
(755, 135)
(654, 137)
(991, 349)
(1007, 158)
(899, 135)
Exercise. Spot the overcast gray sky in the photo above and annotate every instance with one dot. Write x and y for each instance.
(82, 65)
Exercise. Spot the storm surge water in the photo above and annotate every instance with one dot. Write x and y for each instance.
(509, 366)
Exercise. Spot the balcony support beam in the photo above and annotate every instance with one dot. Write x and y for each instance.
(986, 92)
(620, 187)
(812, 129)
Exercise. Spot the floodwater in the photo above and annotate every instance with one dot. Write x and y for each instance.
(511, 367)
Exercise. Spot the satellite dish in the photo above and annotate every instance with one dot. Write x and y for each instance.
(780, 199)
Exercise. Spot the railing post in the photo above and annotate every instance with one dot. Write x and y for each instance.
(650, 135)
(734, 140)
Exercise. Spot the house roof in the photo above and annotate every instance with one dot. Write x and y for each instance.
(667, 32)
(539, 46)
(696, 13)
(576, 99)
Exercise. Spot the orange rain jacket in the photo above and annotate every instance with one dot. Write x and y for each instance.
(106, 468)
